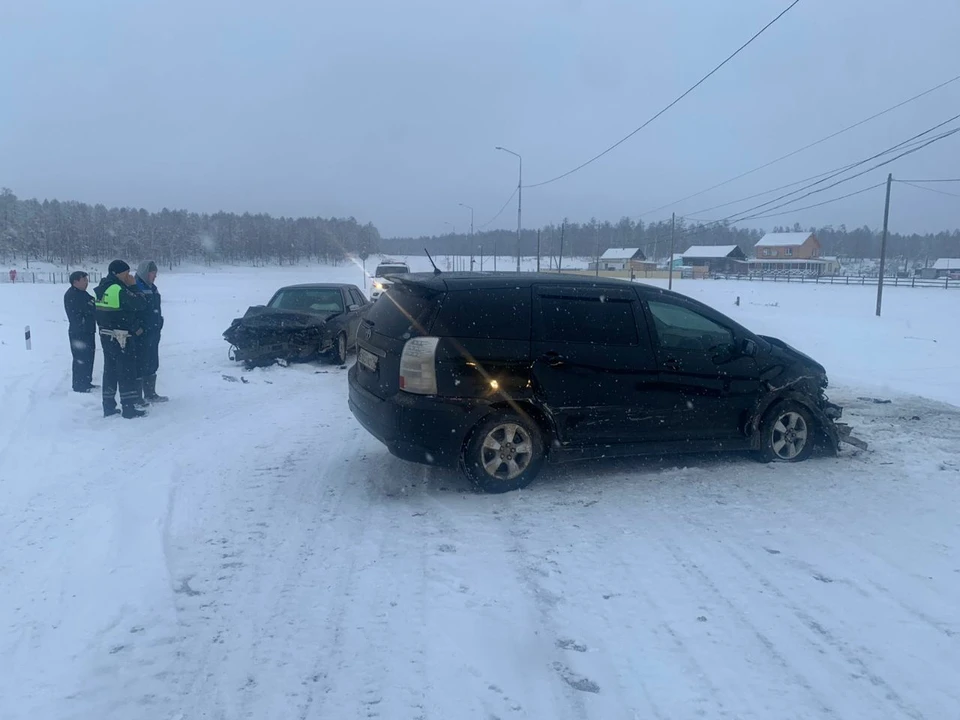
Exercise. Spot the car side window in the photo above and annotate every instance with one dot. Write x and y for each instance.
(679, 328)
(356, 298)
(593, 318)
(496, 314)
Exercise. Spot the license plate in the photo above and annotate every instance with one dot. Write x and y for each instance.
(367, 359)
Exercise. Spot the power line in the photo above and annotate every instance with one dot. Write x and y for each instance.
(805, 147)
(864, 172)
(933, 190)
(930, 181)
(942, 136)
(823, 177)
(825, 202)
(500, 212)
(736, 217)
(681, 97)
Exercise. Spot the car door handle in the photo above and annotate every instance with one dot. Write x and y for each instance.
(553, 358)
(671, 364)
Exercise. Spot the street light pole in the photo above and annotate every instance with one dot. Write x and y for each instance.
(519, 199)
(471, 233)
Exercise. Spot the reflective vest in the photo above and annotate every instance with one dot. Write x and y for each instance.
(111, 298)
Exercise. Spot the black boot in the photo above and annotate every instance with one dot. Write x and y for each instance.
(150, 390)
(130, 412)
(110, 411)
(141, 401)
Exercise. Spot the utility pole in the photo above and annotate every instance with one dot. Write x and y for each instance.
(471, 233)
(519, 209)
(519, 198)
(598, 252)
(883, 244)
(538, 250)
(480, 252)
(673, 233)
(563, 226)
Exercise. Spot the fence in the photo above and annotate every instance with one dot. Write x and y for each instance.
(46, 277)
(895, 281)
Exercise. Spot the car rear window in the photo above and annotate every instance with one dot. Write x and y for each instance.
(402, 311)
(391, 270)
(492, 314)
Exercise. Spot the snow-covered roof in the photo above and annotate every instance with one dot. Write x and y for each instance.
(785, 239)
(619, 253)
(709, 251)
(947, 264)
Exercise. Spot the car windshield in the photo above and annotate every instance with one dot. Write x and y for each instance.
(310, 300)
(383, 270)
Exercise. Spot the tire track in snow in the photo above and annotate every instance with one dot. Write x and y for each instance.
(853, 657)
(497, 660)
(684, 561)
(371, 663)
(260, 557)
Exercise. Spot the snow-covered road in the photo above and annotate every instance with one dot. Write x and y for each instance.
(248, 551)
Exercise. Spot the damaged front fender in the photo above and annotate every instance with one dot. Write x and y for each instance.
(825, 414)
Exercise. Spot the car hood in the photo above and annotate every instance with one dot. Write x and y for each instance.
(261, 316)
(782, 351)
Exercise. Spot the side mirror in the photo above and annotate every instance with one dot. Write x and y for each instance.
(748, 347)
(353, 308)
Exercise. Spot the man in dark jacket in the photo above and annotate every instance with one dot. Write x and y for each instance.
(148, 345)
(119, 311)
(79, 305)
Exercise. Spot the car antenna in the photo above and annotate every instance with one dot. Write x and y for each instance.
(436, 270)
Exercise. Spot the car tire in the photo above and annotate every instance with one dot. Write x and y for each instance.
(338, 355)
(787, 434)
(505, 452)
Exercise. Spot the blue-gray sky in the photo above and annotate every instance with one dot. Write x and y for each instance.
(389, 110)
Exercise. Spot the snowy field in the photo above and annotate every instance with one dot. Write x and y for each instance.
(248, 551)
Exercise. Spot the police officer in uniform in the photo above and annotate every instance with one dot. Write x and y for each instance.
(118, 311)
(79, 305)
(148, 345)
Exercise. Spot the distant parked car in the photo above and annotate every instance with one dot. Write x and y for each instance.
(300, 323)
(380, 276)
(498, 372)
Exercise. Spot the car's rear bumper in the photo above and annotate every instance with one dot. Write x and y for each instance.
(417, 428)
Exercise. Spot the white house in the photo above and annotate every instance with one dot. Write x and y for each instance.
(716, 258)
(946, 266)
(622, 259)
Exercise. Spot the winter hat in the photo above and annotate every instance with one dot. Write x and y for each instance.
(146, 267)
(117, 267)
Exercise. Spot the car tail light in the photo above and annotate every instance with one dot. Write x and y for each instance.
(418, 369)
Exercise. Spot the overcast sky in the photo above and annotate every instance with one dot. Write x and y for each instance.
(389, 110)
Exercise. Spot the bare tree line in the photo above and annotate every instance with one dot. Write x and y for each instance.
(74, 233)
(587, 239)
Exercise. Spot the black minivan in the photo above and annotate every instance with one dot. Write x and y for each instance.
(497, 372)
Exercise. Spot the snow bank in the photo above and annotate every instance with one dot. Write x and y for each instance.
(248, 551)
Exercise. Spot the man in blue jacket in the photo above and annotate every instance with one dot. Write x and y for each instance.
(79, 306)
(148, 344)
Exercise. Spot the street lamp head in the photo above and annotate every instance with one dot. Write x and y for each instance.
(498, 148)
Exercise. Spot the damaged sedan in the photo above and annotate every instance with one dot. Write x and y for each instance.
(300, 323)
(499, 373)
